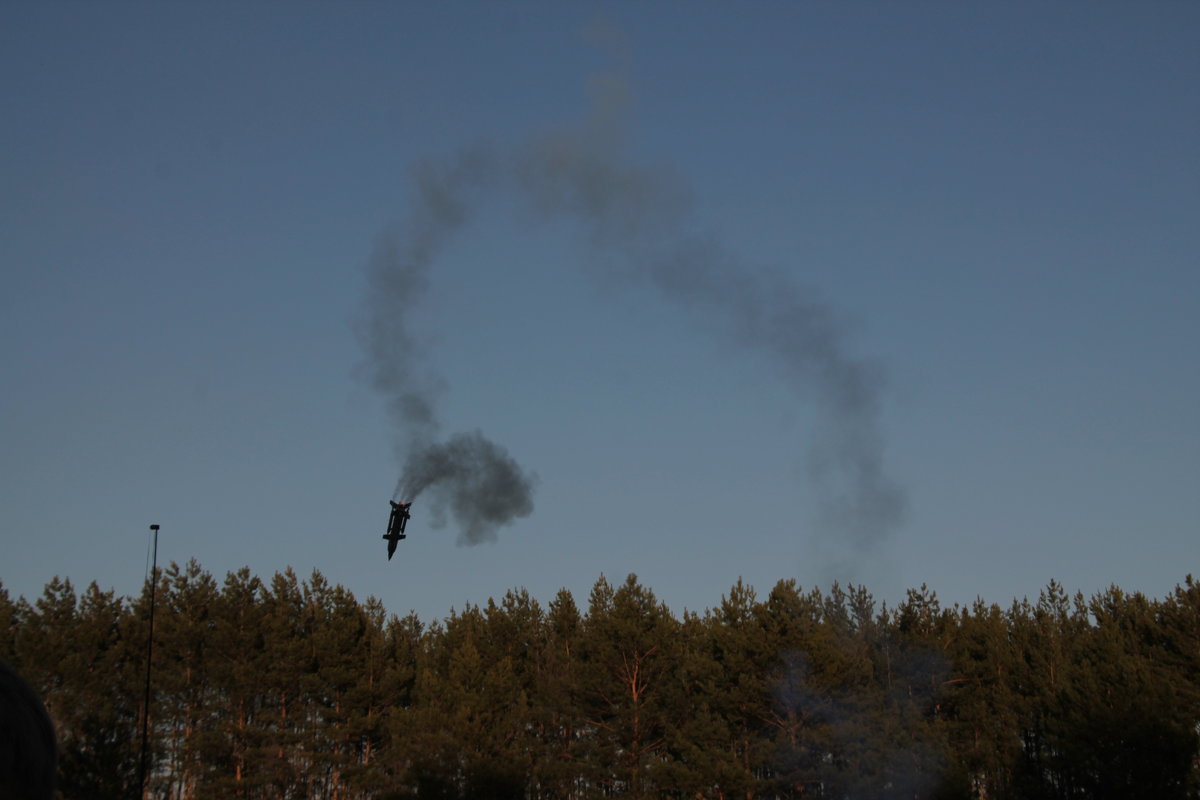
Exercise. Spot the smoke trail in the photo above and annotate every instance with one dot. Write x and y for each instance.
(398, 279)
(859, 502)
(473, 477)
(641, 229)
(640, 221)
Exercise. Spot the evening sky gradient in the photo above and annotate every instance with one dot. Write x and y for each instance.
(996, 205)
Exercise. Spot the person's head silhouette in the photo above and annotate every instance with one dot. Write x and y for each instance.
(28, 746)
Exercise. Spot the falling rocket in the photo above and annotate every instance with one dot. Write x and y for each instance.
(396, 524)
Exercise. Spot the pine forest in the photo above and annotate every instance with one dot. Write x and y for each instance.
(288, 688)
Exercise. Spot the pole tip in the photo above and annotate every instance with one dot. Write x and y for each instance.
(153, 527)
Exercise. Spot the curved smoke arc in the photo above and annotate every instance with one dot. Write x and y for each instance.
(639, 225)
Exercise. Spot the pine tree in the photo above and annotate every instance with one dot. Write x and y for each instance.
(555, 711)
(797, 713)
(337, 633)
(11, 618)
(913, 750)
(366, 701)
(1046, 635)
(285, 662)
(404, 641)
(72, 650)
(229, 735)
(978, 704)
(628, 656)
(721, 740)
(182, 687)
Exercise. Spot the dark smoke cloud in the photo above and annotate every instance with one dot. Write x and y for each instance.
(640, 227)
(472, 477)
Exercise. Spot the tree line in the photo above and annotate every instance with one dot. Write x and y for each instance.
(296, 689)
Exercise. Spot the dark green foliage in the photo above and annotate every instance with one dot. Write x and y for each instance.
(293, 689)
(82, 654)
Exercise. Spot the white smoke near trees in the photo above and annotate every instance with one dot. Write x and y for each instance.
(641, 230)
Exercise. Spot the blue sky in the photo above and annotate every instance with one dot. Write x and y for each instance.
(995, 203)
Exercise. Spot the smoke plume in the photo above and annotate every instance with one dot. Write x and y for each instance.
(640, 230)
(472, 477)
(468, 475)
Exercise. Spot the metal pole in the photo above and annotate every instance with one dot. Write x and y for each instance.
(149, 657)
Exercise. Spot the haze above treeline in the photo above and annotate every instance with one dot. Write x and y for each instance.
(291, 688)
